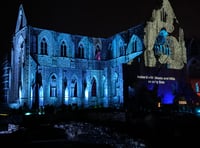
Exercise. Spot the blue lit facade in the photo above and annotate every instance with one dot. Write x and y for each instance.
(55, 68)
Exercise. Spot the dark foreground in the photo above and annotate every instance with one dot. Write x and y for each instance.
(155, 130)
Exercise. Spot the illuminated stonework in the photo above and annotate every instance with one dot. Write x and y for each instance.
(164, 18)
(55, 68)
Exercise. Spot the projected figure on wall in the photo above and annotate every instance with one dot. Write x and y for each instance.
(166, 50)
(56, 68)
(162, 47)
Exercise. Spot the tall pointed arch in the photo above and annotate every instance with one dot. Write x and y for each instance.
(53, 86)
(94, 87)
(43, 46)
(74, 88)
(80, 51)
(63, 49)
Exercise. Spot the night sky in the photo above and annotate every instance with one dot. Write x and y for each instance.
(92, 17)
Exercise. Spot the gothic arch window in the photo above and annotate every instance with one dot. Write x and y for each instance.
(98, 53)
(80, 51)
(63, 49)
(94, 89)
(53, 86)
(74, 88)
(43, 46)
(135, 45)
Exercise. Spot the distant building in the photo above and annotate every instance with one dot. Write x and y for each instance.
(55, 68)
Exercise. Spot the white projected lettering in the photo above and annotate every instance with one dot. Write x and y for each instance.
(156, 79)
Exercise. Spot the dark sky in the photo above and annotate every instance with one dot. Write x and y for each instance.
(92, 17)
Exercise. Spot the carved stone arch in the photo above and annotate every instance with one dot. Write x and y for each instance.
(135, 44)
(83, 48)
(81, 51)
(93, 86)
(52, 74)
(53, 84)
(69, 44)
(117, 43)
(97, 48)
(46, 36)
(74, 86)
(63, 48)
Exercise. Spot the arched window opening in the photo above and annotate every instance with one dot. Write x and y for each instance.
(75, 90)
(81, 51)
(43, 47)
(63, 49)
(94, 93)
(53, 87)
